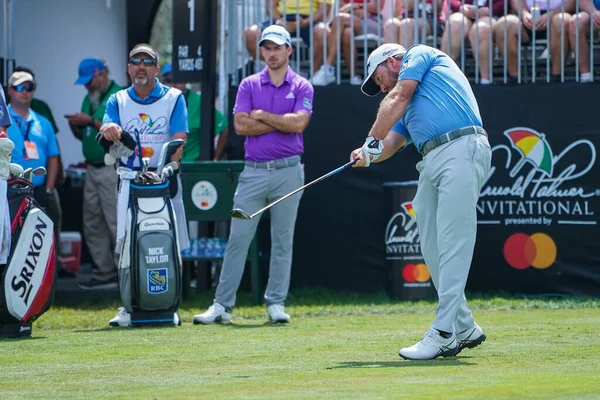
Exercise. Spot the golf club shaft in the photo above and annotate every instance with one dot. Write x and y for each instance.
(327, 175)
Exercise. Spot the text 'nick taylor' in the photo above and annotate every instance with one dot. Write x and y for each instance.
(156, 255)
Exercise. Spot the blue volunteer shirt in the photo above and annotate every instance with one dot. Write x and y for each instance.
(178, 122)
(38, 130)
(442, 102)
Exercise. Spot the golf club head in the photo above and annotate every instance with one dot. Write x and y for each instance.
(167, 151)
(123, 170)
(146, 165)
(169, 169)
(27, 173)
(15, 170)
(239, 214)
(39, 171)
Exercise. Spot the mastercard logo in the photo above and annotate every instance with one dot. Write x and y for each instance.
(522, 251)
(415, 273)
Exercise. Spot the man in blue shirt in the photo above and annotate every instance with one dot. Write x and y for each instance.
(156, 114)
(430, 103)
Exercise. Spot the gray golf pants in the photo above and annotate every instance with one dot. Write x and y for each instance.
(450, 180)
(258, 187)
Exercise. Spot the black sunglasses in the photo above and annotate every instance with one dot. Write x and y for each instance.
(167, 79)
(148, 62)
(23, 87)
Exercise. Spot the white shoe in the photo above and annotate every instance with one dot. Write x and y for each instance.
(356, 80)
(121, 319)
(431, 346)
(215, 314)
(277, 313)
(324, 76)
(470, 338)
(586, 78)
(177, 318)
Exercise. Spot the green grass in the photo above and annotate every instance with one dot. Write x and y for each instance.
(338, 346)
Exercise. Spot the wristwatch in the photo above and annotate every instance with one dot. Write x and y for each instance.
(49, 192)
(92, 124)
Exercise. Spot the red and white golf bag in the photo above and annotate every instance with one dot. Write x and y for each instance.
(27, 280)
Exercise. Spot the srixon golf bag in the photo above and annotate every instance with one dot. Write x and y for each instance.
(150, 266)
(28, 279)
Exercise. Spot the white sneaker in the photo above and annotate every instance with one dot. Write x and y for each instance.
(431, 346)
(121, 319)
(277, 313)
(215, 314)
(470, 338)
(356, 80)
(324, 76)
(177, 318)
(586, 78)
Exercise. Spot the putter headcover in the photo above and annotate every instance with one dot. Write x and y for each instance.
(115, 150)
(6, 148)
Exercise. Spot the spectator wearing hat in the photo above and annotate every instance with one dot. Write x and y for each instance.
(193, 100)
(35, 146)
(99, 188)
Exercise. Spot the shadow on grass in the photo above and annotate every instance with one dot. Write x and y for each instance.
(443, 362)
(19, 339)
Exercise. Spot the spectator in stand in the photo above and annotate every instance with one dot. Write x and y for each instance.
(367, 19)
(587, 8)
(320, 10)
(549, 14)
(471, 19)
(401, 28)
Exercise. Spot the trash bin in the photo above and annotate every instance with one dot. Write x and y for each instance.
(408, 276)
(208, 188)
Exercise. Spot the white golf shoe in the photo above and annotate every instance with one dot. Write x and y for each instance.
(277, 313)
(123, 318)
(431, 346)
(215, 314)
(470, 338)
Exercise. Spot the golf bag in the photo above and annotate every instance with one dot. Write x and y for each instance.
(150, 265)
(28, 279)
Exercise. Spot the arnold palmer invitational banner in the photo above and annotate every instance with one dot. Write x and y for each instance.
(538, 215)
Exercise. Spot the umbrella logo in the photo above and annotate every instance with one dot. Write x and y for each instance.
(534, 149)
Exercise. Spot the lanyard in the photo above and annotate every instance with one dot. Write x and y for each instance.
(26, 134)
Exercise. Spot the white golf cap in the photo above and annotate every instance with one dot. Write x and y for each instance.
(379, 55)
(276, 34)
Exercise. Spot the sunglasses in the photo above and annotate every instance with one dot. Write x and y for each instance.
(168, 79)
(148, 62)
(23, 87)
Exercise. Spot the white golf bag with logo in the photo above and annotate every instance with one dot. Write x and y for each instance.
(27, 280)
(150, 263)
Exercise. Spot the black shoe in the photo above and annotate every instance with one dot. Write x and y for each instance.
(95, 284)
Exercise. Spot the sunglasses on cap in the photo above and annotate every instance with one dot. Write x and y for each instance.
(148, 62)
(28, 87)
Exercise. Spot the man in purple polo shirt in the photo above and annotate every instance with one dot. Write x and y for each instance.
(272, 110)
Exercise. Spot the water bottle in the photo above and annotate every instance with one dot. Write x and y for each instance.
(210, 248)
(201, 247)
(218, 248)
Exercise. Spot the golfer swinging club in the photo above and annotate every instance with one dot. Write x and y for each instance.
(430, 103)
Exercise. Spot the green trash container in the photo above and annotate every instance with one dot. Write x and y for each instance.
(208, 188)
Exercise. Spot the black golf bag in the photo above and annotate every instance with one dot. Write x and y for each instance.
(28, 279)
(150, 265)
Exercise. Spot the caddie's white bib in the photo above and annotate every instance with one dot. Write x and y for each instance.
(151, 122)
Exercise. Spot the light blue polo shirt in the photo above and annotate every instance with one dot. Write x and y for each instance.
(36, 129)
(178, 122)
(442, 102)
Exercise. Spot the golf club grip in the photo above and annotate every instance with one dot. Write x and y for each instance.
(327, 175)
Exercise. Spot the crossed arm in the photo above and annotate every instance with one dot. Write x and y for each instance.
(259, 122)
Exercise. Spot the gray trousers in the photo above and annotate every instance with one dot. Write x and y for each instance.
(256, 188)
(100, 220)
(450, 180)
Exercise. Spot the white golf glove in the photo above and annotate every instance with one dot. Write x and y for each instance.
(372, 149)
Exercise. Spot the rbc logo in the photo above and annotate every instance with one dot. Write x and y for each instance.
(157, 281)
